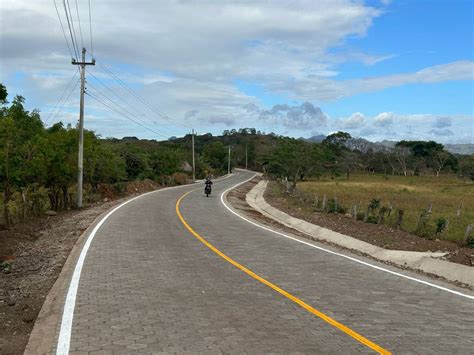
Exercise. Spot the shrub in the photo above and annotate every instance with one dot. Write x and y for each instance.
(372, 219)
(334, 207)
(179, 178)
(441, 224)
(470, 242)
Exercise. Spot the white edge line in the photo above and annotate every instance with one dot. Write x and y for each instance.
(68, 312)
(335, 253)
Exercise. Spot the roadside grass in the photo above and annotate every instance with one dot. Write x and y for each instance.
(413, 194)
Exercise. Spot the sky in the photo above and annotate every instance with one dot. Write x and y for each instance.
(378, 69)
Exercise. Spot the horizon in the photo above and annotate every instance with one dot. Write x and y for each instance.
(374, 69)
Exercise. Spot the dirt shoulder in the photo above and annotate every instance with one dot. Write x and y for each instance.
(380, 235)
(32, 256)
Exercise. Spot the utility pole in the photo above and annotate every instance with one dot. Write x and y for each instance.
(83, 64)
(194, 162)
(246, 148)
(228, 162)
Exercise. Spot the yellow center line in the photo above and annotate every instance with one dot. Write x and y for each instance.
(288, 295)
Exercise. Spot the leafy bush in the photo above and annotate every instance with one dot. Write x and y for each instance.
(441, 224)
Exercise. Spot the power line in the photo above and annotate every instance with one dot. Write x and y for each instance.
(120, 113)
(70, 31)
(90, 29)
(60, 99)
(64, 102)
(79, 21)
(128, 113)
(64, 32)
(148, 104)
(121, 99)
(72, 25)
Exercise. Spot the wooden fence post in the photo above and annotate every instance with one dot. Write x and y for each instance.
(324, 202)
(430, 208)
(400, 218)
(467, 233)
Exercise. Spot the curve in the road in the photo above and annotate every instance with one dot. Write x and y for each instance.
(336, 253)
(286, 294)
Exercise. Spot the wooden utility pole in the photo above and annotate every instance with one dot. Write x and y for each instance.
(83, 64)
(194, 161)
(228, 162)
(246, 148)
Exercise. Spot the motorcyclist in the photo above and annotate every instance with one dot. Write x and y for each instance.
(208, 184)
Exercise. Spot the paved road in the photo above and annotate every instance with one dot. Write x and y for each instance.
(148, 285)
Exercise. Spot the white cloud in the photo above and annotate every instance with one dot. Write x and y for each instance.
(356, 120)
(393, 126)
(324, 89)
(185, 56)
(443, 122)
(383, 119)
(301, 117)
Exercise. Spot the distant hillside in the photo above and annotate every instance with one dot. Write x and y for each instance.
(316, 139)
(363, 145)
(465, 149)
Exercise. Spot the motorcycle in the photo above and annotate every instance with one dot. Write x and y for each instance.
(207, 190)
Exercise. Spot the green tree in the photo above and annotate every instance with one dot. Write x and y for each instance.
(215, 154)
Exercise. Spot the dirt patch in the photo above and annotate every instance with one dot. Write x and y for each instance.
(376, 234)
(31, 258)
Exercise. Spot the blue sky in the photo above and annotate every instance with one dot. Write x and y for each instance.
(372, 68)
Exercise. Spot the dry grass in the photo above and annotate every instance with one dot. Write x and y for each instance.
(412, 194)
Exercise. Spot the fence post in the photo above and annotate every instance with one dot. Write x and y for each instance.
(430, 208)
(458, 212)
(400, 218)
(467, 233)
(335, 204)
(324, 202)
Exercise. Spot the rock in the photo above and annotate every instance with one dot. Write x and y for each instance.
(29, 317)
(51, 213)
(11, 302)
(105, 200)
(348, 215)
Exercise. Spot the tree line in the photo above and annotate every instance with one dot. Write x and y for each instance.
(297, 159)
(38, 164)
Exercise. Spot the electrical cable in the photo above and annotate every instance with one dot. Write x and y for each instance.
(149, 105)
(70, 31)
(62, 27)
(120, 113)
(66, 100)
(90, 29)
(121, 99)
(79, 22)
(107, 98)
(60, 99)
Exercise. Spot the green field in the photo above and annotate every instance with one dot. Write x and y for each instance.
(412, 194)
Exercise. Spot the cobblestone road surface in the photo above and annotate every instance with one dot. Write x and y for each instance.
(149, 286)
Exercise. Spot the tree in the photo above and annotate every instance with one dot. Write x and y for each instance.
(215, 154)
(166, 162)
(439, 160)
(292, 159)
(337, 140)
(466, 166)
(348, 163)
(3, 94)
(401, 155)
